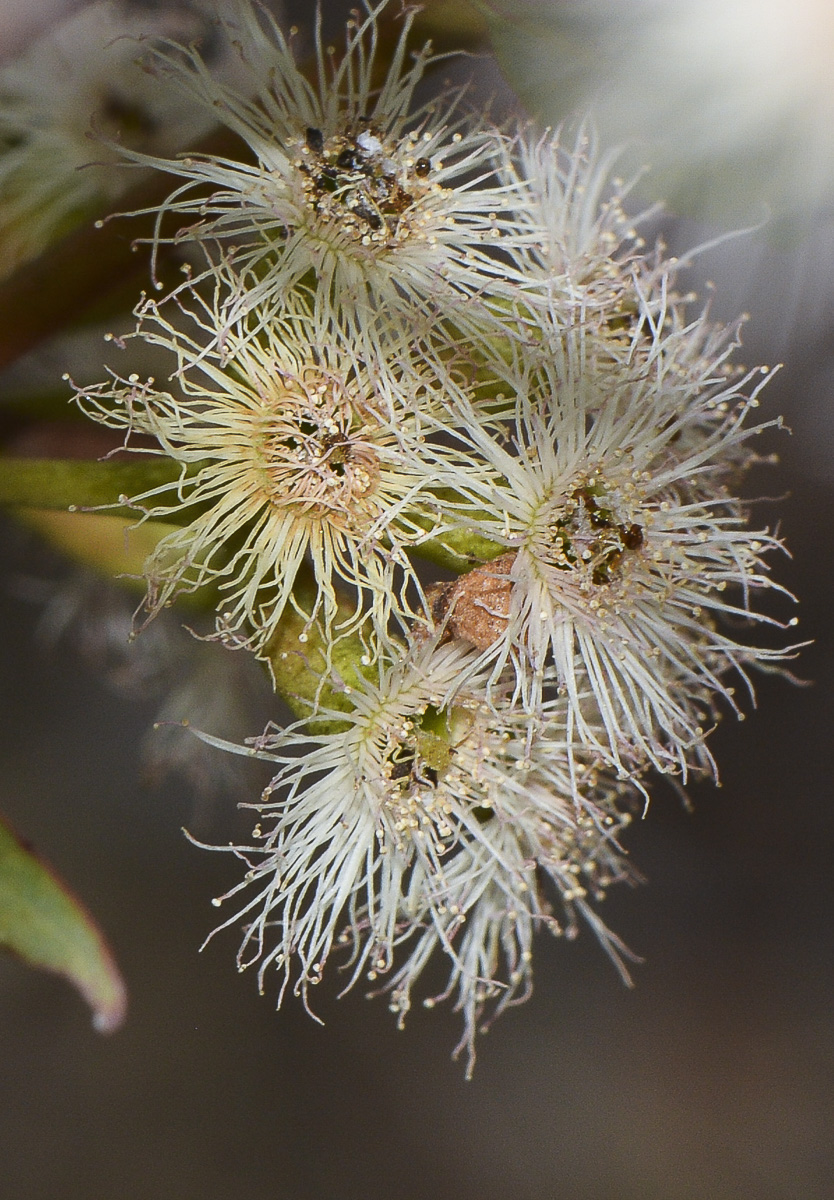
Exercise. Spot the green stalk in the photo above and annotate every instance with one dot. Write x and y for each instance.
(72, 484)
(77, 484)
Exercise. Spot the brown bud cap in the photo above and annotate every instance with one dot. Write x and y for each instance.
(475, 607)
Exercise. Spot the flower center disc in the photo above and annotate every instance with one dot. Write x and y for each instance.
(319, 453)
(360, 185)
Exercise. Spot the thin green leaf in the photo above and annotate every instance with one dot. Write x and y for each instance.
(107, 544)
(43, 923)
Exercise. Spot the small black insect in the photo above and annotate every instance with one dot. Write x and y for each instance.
(632, 537)
(370, 217)
(347, 160)
(315, 140)
(422, 167)
(402, 769)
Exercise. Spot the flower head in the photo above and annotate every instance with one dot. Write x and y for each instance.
(581, 259)
(291, 451)
(418, 827)
(375, 200)
(625, 551)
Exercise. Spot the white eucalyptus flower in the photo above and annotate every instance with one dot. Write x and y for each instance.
(376, 200)
(411, 825)
(628, 564)
(291, 451)
(582, 260)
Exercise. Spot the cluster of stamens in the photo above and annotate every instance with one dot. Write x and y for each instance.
(360, 183)
(581, 854)
(318, 449)
(414, 802)
(427, 775)
(587, 533)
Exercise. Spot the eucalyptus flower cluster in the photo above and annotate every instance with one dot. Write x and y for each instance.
(404, 337)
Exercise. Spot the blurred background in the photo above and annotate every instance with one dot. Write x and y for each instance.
(714, 1076)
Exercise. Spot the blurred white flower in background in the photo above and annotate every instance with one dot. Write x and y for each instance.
(183, 676)
(731, 101)
(83, 81)
(730, 104)
(23, 20)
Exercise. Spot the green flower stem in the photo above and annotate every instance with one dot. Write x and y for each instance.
(72, 484)
(76, 484)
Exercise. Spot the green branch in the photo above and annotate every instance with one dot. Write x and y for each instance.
(76, 484)
(81, 483)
